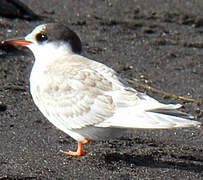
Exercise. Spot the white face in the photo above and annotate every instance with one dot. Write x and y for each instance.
(32, 36)
(46, 51)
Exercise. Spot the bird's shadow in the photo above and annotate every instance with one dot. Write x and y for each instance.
(184, 163)
(9, 50)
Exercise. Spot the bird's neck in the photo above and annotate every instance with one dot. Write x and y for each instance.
(47, 53)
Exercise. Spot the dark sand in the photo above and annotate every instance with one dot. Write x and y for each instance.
(161, 40)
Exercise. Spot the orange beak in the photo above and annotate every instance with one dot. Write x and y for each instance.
(21, 42)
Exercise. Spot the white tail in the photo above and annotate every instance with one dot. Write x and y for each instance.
(149, 114)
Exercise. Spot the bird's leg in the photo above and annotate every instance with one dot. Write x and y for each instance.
(79, 151)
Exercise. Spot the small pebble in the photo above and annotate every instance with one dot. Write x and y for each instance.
(3, 107)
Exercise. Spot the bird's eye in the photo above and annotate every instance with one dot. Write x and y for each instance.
(41, 37)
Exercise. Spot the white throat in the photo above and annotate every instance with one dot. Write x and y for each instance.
(48, 52)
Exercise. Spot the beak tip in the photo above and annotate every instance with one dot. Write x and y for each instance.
(21, 42)
(2, 43)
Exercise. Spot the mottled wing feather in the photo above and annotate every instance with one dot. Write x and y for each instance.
(76, 98)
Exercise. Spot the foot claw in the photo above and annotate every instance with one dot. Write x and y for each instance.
(72, 153)
(79, 152)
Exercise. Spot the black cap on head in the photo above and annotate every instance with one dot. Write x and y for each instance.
(59, 32)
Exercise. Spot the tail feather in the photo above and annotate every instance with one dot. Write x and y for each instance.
(150, 114)
(147, 120)
(173, 112)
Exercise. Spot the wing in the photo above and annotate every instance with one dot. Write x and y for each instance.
(75, 94)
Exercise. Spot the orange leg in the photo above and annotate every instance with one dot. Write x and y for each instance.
(79, 151)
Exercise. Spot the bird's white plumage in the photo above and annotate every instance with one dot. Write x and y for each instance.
(87, 99)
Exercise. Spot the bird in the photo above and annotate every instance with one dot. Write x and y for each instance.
(84, 98)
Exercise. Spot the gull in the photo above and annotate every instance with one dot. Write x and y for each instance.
(87, 99)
